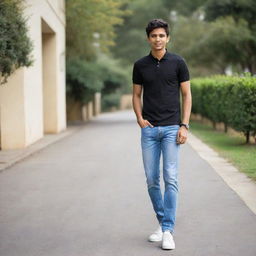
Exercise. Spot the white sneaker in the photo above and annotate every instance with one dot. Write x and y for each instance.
(156, 236)
(168, 242)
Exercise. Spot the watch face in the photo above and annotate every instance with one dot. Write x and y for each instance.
(186, 125)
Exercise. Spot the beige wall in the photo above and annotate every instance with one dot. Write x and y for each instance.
(11, 99)
(33, 101)
(126, 101)
(97, 104)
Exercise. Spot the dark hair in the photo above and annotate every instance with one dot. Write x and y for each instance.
(157, 23)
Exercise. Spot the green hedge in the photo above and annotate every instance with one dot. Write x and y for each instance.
(227, 99)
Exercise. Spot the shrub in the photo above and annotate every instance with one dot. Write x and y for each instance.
(231, 100)
(15, 45)
(82, 79)
(111, 100)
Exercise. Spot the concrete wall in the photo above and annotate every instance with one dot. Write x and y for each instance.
(97, 104)
(126, 101)
(33, 102)
(77, 111)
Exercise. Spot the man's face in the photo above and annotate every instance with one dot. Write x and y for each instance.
(158, 39)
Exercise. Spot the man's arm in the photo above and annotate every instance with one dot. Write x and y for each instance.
(136, 103)
(186, 111)
(186, 101)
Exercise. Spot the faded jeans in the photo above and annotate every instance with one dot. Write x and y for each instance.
(154, 141)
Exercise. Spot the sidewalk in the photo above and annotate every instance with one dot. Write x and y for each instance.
(85, 195)
(13, 156)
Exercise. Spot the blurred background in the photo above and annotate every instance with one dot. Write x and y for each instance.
(213, 36)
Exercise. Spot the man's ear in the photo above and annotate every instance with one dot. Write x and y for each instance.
(168, 39)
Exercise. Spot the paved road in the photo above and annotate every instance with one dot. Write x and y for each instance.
(86, 196)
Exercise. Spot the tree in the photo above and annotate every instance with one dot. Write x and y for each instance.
(189, 38)
(82, 79)
(238, 9)
(15, 45)
(131, 36)
(91, 20)
(89, 34)
(185, 8)
(237, 18)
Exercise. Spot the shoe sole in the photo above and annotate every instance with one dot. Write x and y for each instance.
(158, 240)
(167, 248)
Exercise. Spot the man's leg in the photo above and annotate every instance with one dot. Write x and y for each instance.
(151, 150)
(170, 151)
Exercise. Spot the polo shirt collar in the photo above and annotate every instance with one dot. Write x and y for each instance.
(165, 57)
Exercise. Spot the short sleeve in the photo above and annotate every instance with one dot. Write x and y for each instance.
(136, 75)
(183, 73)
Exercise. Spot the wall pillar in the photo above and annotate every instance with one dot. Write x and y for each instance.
(97, 104)
(89, 110)
(12, 107)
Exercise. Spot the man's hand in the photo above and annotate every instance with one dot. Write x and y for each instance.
(182, 135)
(143, 123)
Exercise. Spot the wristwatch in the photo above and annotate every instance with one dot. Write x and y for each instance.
(186, 125)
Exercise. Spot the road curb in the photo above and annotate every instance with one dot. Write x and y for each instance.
(236, 180)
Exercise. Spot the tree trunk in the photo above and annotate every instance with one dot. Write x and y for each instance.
(247, 134)
(225, 127)
(214, 125)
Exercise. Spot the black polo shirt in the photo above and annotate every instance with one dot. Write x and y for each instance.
(161, 87)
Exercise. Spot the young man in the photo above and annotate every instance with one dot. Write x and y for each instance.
(162, 76)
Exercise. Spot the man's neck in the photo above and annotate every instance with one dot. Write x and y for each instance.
(159, 54)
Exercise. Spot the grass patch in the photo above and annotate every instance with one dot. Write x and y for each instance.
(231, 147)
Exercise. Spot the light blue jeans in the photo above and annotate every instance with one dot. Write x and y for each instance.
(154, 141)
